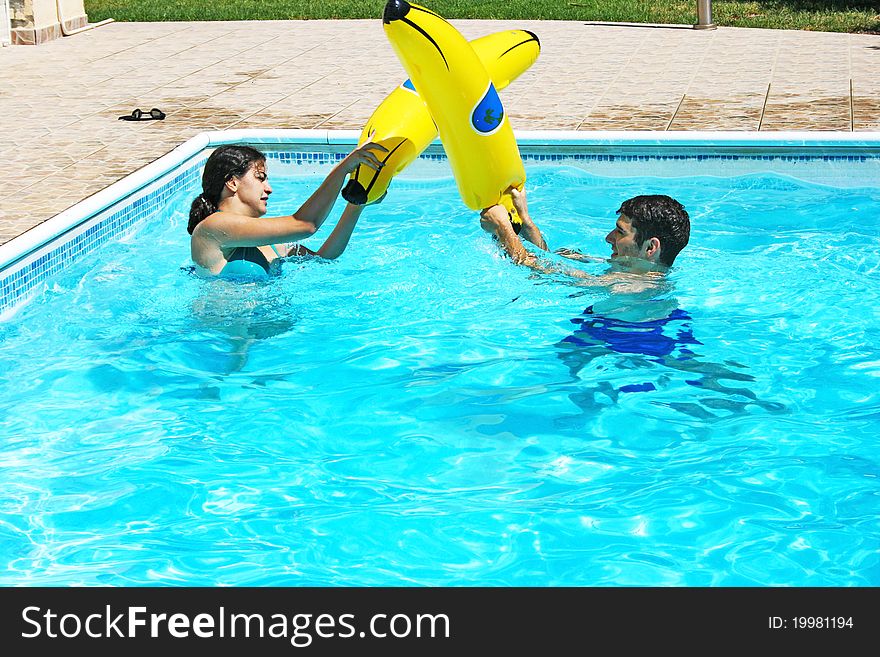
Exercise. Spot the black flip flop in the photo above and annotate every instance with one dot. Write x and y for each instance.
(154, 114)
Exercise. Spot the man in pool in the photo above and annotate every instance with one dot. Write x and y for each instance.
(649, 233)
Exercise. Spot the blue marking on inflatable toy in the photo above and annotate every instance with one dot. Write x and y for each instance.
(488, 115)
(409, 86)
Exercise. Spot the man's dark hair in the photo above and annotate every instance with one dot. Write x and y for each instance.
(659, 216)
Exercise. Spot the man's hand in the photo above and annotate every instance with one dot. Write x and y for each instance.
(495, 220)
(519, 202)
(530, 230)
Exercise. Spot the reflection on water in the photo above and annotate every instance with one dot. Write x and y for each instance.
(241, 314)
(652, 344)
(392, 418)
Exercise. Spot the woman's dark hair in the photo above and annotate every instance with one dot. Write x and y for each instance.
(224, 163)
(662, 217)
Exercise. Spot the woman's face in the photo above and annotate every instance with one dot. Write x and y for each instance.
(253, 188)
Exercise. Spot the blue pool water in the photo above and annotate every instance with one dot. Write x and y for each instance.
(423, 412)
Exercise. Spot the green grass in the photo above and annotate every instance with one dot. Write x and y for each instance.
(822, 15)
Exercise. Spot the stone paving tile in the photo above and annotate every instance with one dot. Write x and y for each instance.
(801, 112)
(866, 112)
(271, 119)
(60, 139)
(735, 112)
(644, 116)
(356, 114)
(716, 100)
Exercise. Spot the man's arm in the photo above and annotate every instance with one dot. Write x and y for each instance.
(494, 220)
(530, 230)
(574, 254)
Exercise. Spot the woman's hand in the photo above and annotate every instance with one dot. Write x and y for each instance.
(319, 204)
(363, 155)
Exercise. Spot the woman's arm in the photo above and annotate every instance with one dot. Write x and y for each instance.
(223, 230)
(226, 230)
(335, 244)
(319, 204)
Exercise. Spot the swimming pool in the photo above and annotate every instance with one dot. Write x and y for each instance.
(422, 412)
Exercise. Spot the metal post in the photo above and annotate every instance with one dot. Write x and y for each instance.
(704, 15)
(5, 18)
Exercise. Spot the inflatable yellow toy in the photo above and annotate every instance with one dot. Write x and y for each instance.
(403, 124)
(460, 96)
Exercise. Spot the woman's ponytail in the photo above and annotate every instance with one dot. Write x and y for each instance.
(201, 207)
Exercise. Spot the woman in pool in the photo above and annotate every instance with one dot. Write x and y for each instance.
(230, 234)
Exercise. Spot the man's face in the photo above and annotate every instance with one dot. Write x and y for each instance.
(623, 239)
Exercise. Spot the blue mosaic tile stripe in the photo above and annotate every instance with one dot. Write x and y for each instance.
(330, 158)
(610, 157)
(16, 283)
(695, 158)
(295, 157)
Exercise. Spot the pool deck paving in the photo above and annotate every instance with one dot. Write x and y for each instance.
(61, 140)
